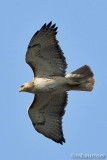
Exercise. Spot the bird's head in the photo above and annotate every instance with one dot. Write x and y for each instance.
(27, 87)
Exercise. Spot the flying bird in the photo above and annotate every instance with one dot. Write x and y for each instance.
(51, 83)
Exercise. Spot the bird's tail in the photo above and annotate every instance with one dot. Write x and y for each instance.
(81, 79)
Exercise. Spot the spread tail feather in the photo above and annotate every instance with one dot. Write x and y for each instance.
(81, 79)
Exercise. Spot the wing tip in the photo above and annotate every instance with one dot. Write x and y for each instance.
(49, 25)
(63, 140)
(43, 26)
(60, 141)
(52, 26)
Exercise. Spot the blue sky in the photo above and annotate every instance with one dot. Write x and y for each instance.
(82, 35)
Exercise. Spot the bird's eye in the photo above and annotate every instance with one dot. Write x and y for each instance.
(22, 85)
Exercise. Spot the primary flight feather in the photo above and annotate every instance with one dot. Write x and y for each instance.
(51, 83)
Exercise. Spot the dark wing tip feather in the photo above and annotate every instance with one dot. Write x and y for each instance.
(43, 26)
(55, 29)
(50, 23)
(55, 33)
(53, 25)
(61, 140)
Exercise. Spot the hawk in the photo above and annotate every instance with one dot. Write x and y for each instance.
(51, 83)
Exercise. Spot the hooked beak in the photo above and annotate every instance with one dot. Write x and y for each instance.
(20, 90)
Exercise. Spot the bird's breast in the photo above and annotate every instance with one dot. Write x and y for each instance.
(47, 84)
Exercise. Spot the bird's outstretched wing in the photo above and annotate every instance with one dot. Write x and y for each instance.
(46, 114)
(44, 54)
